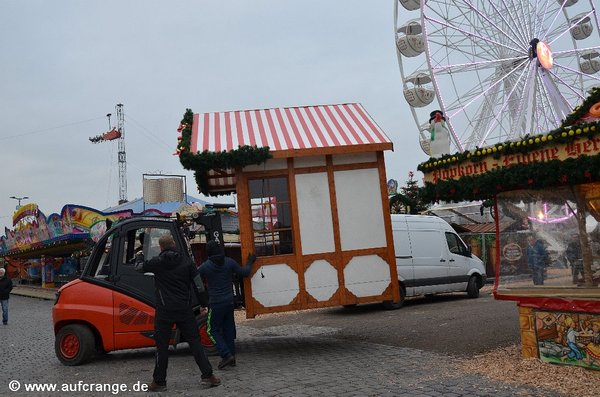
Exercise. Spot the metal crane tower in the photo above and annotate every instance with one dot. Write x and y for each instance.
(111, 135)
(122, 156)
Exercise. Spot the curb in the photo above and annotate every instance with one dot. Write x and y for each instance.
(35, 292)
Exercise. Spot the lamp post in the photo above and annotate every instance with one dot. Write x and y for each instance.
(19, 200)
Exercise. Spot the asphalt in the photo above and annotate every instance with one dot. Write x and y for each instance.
(287, 360)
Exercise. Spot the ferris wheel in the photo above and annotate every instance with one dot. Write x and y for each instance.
(497, 69)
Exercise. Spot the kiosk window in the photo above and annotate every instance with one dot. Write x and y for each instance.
(271, 216)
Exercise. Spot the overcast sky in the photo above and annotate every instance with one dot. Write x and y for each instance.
(65, 64)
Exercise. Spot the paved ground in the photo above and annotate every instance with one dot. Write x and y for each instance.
(287, 360)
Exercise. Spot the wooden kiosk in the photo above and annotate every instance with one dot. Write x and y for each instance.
(312, 201)
(550, 265)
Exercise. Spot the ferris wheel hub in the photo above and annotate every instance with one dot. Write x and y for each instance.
(542, 52)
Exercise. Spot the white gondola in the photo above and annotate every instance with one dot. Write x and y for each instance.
(590, 62)
(568, 3)
(581, 27)
(411, 43)
(412, 5)
(424, 140)
(420, 93)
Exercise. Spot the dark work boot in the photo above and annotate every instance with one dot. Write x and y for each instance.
(211, 381)
(156, 387)
(227, 361)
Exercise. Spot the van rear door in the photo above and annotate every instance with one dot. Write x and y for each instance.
(404, 259)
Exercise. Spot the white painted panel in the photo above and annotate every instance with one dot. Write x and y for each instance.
(314, 212)
(310, 161)
(271, 164)
(352, 158)
(275, 285)
(321, 280)
(367, 275)
(360, 211)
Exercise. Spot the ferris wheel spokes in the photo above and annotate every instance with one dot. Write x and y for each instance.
(559, 102)
(497, 80)
(578, 72)
(547, 111)
(482, 15)
(568, 86)
(470, 66)
(562, 6)
(573, 26)
(505, 104)
(574, 51)
(471, 34)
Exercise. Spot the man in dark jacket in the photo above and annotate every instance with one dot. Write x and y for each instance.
(218, 272)
(537, 259)
(174, 284)
(5, 288)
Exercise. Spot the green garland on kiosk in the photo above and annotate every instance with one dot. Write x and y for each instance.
(584, 169)
(582, 109)
(525, 145)
(203, 162)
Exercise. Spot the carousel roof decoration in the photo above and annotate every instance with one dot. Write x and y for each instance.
(215, 144)
(528, 172)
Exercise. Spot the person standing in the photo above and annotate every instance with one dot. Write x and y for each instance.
(218, 271)
(5, 287)
(174, 283)
(537, 257)
(573, 254)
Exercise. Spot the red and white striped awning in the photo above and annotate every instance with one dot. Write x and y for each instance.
(292, 131)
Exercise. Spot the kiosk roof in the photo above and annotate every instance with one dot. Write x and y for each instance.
(290, 131)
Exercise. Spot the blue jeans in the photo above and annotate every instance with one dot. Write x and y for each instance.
(4, 303)
(221, 328)
(575, 352)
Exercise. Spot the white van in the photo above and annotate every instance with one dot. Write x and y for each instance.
(431, 258)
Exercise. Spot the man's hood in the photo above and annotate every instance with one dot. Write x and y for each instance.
(218, 259)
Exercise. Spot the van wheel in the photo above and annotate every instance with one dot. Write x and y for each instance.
(473, 287)
(391, 305)
(74, 344)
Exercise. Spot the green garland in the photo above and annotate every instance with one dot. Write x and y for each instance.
(525, 145)
(584, 169)
(583, 109)
(203, 162)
